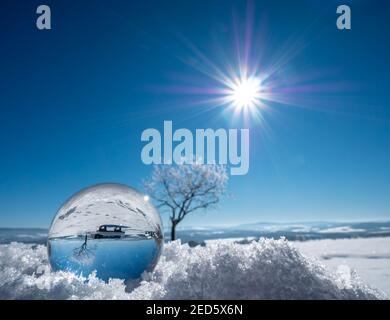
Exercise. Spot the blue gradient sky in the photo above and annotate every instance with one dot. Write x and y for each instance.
(74, 101)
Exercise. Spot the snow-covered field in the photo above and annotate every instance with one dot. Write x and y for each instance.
(369, 257)
(265, 269)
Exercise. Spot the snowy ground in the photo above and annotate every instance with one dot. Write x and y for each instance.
(265, 269)
(370, 257)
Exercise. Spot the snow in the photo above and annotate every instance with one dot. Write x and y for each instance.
(230, 240)
(370, 257)
(343, 229)
(265, 269)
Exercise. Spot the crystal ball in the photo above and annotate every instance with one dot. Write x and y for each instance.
(110, 229)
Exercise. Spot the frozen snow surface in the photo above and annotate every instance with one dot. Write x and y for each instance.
(369, 257)
(264, 269)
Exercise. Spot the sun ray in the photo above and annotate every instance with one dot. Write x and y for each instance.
(246, 83)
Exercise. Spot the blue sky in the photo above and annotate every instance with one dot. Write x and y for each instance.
(74, 101)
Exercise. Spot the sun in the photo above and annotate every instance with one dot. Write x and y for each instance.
(245, 93)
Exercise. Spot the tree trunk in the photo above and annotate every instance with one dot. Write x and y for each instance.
(173, 230)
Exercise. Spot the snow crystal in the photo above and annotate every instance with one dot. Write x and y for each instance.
(264, 269)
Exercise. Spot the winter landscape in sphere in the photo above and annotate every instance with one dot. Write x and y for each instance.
(108, 228)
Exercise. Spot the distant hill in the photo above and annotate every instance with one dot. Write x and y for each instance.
(292, 231)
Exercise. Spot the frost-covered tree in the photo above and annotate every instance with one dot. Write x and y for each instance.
(183, 189)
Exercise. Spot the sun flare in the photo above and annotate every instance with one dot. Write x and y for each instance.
(246, 93)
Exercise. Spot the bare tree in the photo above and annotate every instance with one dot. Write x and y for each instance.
(83, 254)
(182, 189)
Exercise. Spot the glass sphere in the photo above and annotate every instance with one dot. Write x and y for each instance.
(108, 228)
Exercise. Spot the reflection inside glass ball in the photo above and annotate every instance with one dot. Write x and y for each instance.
(108, 228)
